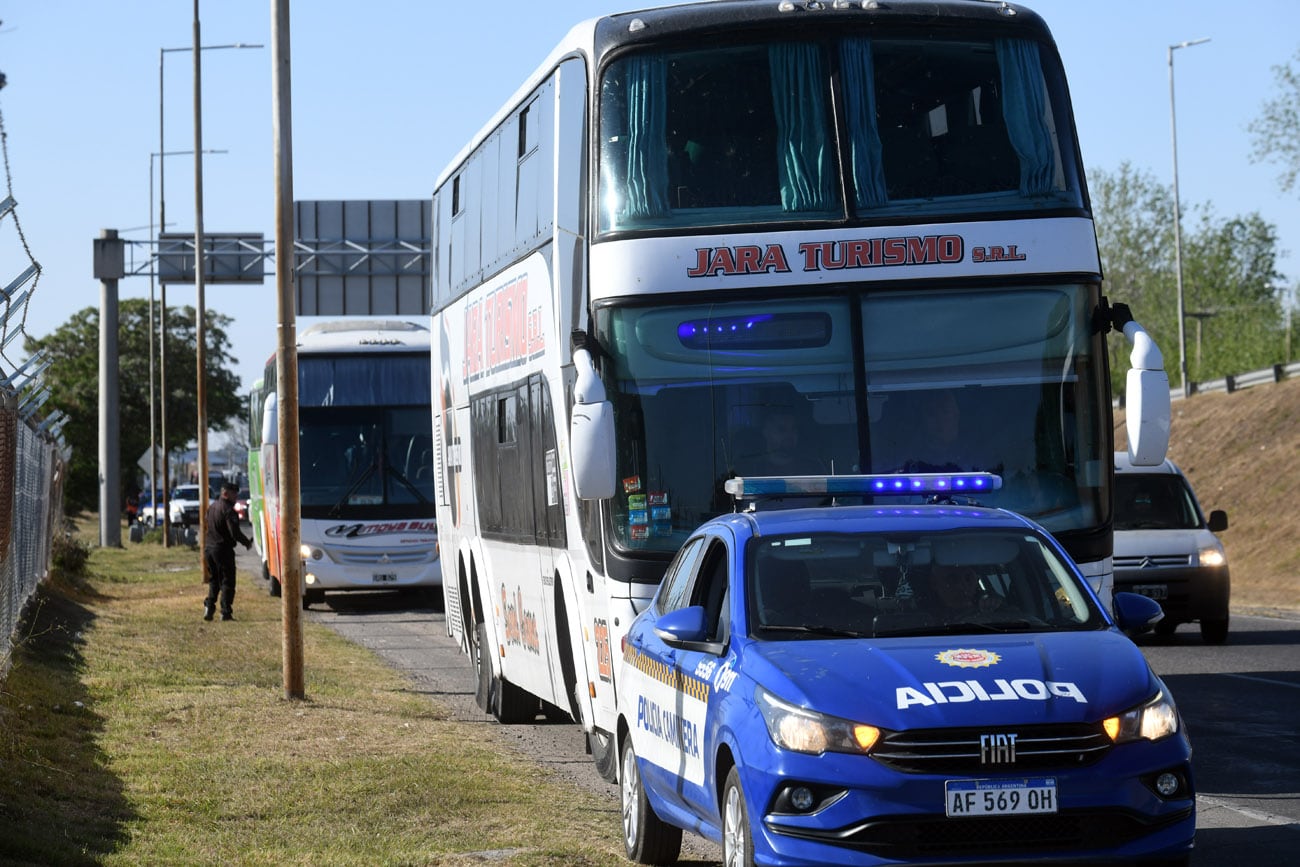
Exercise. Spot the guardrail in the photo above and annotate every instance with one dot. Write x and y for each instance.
(1236, 382)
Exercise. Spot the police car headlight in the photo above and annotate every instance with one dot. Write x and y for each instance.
(806, 731)
(1154, 720)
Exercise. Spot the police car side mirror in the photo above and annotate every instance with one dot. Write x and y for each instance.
(591, 433)
(1136, 614)
(687, 629)
(1218, 521)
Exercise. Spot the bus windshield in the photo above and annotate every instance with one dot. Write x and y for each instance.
(745, 132)
(364, 443)
(1009, 381)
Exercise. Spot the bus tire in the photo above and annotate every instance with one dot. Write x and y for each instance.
(515, 704)
(274, 586)
(482, 668)
(604, 753)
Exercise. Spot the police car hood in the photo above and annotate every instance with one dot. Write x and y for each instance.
(902, 683)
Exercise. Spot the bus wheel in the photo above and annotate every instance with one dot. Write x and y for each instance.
(646, 838)
(482, 668)
(604, 753)
(274, 586)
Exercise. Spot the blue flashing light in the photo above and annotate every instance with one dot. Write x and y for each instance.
(902, 484)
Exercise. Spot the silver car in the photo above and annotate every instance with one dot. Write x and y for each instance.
(1166, 549)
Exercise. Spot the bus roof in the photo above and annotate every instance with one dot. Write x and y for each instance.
(595, 37)
(368, 335)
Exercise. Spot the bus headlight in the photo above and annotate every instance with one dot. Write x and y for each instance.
(1156, 719)
(806, 731)
(307, 552)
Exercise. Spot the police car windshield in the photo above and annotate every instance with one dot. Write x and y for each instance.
(969, 581)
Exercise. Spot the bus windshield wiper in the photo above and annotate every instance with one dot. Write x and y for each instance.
(369, 471)
(406, 483)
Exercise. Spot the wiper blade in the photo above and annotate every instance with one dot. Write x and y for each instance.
(816, 629)
(406, 483)
(369, 471)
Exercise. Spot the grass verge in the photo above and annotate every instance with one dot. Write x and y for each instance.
(132, 732)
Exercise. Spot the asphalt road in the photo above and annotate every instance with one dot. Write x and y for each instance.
(1240, 701)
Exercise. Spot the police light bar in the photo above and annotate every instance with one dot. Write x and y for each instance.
(894, 484)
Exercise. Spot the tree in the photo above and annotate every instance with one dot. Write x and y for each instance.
(73, 378)
(1230, 282)
(1276, 132)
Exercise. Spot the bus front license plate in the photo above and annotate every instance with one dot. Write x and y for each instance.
(1000, 797)
(384, 577)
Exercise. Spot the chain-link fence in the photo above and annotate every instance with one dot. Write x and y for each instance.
(31, 501)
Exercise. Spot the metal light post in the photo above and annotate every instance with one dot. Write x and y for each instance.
(153, 412)
(162, 221)
(1178, 220)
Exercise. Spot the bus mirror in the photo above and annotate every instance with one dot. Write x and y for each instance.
(270, 421)
(591, 438)
(591, 432)
(1147, 416)
(1146, 396)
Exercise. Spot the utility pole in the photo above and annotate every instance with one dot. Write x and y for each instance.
(110, 266)
(286, 358)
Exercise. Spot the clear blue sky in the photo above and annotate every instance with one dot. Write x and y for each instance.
(385, 93)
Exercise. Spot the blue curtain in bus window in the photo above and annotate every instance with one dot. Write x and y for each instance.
(1024, 105)
(375, 379)
(647, 152)
(798, 100)
(864, 137)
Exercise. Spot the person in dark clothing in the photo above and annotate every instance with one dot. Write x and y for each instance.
(219, 539)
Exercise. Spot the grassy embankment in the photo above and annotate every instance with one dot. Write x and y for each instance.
(1241, 452)
(132, 732)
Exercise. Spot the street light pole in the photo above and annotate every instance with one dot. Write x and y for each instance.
(162, 222)
(1178, 220)
(153, 411)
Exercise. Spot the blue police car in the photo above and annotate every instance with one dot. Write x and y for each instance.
(926, 682)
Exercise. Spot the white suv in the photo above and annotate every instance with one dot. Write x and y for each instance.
(1165, 548)
(185, 505)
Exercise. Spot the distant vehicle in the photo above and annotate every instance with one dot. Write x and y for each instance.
(1166, 548)
(241, 505)
(866, 684)
(185, 505)
(147, 512)
(366, 496)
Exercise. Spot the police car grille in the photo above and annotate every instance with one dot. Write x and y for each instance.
(958, 751)
(935, 836)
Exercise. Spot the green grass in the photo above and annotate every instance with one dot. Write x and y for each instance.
(132, 732)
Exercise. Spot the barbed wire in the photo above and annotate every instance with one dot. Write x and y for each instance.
(22, 238)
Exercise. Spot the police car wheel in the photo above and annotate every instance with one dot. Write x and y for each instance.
(646, 838)
(737, 842)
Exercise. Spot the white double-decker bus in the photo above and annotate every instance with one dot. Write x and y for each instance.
(756, 237)
(365, 460)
